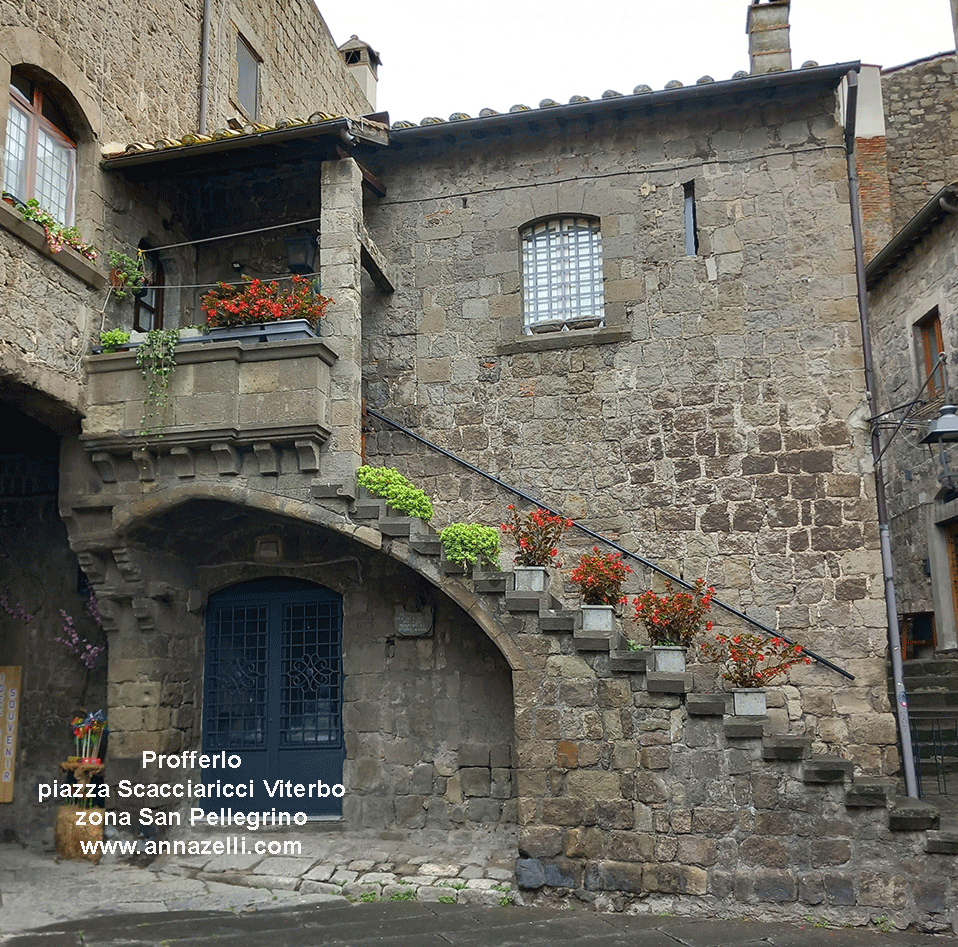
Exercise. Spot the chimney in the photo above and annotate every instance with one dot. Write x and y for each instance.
(768, 45)
(363, 62)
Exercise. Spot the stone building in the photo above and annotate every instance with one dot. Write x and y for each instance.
(640, 310)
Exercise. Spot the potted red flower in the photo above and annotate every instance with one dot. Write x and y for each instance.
(673, 620)
(264, 309)
(600, 577)
(537, 534)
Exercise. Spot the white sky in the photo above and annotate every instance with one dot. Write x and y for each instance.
(441, 56)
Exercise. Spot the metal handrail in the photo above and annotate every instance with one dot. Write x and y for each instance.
(628, 554)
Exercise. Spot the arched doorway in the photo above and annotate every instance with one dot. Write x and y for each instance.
(273, 694)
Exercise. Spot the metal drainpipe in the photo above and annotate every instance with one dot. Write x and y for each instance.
(891, 604)
(204, 65)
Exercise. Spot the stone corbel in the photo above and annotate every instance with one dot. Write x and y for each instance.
(334, 491)
(228, 460)
(144, 610)
(123, 558)
(185, 461)
(92, 566)
(195, 600)
(268, 458)
(105, 465)
(145, 464)
(307, 453)
(107, 608)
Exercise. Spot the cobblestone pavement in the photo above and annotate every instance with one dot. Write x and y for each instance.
(326, 896)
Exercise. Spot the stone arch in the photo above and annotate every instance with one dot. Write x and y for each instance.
(140, 512)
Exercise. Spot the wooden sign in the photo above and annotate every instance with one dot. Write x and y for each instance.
(10, 708)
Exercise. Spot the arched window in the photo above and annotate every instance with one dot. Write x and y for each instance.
(562, 272)
(40, 154)
(148, 308)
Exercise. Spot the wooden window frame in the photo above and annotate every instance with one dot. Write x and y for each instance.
(33, 108)
(931, 343)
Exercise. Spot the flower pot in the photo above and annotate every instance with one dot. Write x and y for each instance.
(669, 659)
(69, 836)
(282, 330)
(598, 619)
(748, 702)
(531, 578)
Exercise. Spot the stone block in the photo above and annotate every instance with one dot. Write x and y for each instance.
(475, 781)
(614, 876)
(474, 754)
(593, 784)
(773, 885)
(530, 874)
(675, 879)
(540, 841)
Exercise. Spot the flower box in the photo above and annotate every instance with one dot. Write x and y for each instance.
(531, 578)
(598, 619)
(668, 659)
(749, 702)
(283, 330)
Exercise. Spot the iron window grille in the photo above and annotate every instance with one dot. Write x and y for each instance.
(562, 272)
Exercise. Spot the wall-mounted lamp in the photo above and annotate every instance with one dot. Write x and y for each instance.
(237, 267)
(301, 252)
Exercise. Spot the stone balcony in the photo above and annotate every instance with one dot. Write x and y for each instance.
(228, 403)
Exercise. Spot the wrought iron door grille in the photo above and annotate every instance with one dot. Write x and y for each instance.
(311, 675)
(236, 677)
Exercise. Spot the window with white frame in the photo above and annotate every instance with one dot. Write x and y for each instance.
(40, 154)
(562, 273)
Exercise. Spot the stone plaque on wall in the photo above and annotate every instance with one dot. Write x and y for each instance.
(10, 704)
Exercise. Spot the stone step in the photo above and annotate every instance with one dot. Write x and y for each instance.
(492, 582)
(744, 728)
(526, 601)
(827, 769)
(706, 705)
(912, 815)
(425, 545)
(632, 662)
(869, 792)
(396, 526)
(659, 682)
(556, 619)
(368, 509)
(587, 642)
(786, 748)
(942, 843)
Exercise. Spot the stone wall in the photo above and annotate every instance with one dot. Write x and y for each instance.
(924, 278)
(922, 131)
(715, 425)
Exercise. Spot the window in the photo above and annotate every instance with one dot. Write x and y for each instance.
(148, 309)
(562, 273)
(247, 77)
(691, 228)
(40, 154)
(930, 345)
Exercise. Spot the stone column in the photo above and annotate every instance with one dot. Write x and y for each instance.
(339, 244)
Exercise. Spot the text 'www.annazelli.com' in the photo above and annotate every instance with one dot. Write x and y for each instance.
(231, 845)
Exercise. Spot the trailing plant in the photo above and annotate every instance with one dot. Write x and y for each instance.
(537, 534)
(255, 301)
(156, 359)
(58, 234)
(676, 617)
(600, 577)
(127, 274)
(752, 661)
(396, 490)
(470, 544)
(112, 340)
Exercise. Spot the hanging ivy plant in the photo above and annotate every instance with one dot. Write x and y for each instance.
(156, 359)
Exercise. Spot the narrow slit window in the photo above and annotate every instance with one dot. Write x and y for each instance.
(247, 77)
(691, 229)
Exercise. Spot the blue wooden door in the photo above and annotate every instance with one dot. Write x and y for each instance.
(273, 693)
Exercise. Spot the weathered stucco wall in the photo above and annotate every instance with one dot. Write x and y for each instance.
(922, 131)
(724, 436)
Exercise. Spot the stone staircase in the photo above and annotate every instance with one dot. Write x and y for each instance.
(496, 590)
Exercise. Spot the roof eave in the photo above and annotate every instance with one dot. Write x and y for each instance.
(910, 234)
(819, 76)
